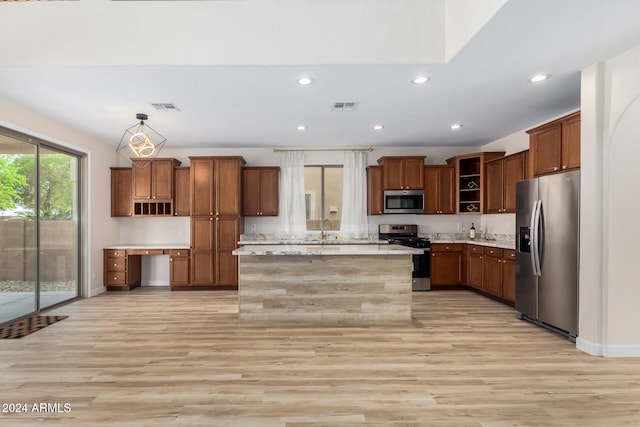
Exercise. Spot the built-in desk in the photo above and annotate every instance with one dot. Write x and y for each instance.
(123, 265)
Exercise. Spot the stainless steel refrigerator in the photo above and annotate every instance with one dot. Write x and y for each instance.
(547, 250)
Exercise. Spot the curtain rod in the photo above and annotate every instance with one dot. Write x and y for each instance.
(276, 150)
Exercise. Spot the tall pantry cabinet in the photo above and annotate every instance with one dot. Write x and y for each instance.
(215, 219)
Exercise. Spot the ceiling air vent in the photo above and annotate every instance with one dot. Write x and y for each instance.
(165, 106)
(344, 106)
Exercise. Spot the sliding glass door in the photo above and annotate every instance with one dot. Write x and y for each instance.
(39, 225)
(18, 229)
(58, 227)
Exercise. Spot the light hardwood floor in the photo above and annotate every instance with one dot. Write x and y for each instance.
(158, 358)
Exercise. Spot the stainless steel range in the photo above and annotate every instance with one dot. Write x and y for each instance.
(407, 235)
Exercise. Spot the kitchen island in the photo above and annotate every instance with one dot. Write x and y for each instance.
(325, 284)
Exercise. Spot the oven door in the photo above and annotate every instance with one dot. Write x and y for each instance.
(422, 271)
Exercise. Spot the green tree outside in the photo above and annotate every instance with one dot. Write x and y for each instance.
(11, 181)
(56, 185)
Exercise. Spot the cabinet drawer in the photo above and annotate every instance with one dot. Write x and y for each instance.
(475, 249)
(494, 252)
(179, 253)
(116, 253)
(116, 264)
(116, 278)
(447, 247)
(509, 254)
(146, 251)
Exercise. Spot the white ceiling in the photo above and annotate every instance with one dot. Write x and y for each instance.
(93, 64)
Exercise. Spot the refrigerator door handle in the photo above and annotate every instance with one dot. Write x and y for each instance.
(535, 238)
(532, 243)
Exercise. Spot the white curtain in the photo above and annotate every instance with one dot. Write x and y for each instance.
(354, 195)
(293, 220)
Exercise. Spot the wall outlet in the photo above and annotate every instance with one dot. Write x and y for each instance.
(253, 227)
(181, 231)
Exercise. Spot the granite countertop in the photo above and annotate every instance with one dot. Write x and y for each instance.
(313, 242)
(504, 244)
(341, 249)
(150, 246)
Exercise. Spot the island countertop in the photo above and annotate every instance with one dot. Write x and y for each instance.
(384, 249)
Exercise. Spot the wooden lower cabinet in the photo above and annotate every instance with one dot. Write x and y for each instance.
(492, 271)
(122, 272)
(178, 267)
(475, 263)
(213, 240)
(509, 275)
(446, 264)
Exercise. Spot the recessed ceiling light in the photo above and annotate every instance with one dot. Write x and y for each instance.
(378, 127)
(420, 80)
(455, 126)
(301, 127)
(539, 78)
(305, 81)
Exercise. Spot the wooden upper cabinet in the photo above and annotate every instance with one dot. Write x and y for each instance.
(153, 179)
(260, 190)
(201, 186)
(555, 146)
(571, 142)
(120, 192)
(471, 184)
(439, 188)
(402, 173)
(515, 169)
(228, 179)
(181, 192)
(495, 186)
(215, 185)
(501, 177)
(374, 190)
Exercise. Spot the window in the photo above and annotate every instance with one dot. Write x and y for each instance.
(323, 196)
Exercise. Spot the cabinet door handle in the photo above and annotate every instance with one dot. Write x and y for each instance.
(555, 168)
(171, 259)
(499, 260)
(433, 254)
(564, 166)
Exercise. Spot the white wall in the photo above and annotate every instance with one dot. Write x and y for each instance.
(609, 291)
(99, 227)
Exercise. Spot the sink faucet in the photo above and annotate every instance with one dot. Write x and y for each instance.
(323, 233)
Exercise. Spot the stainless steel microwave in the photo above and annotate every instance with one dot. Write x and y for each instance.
(404, 202)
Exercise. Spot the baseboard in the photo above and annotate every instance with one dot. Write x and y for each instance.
(97, 291)
(619, 350)
(155, 283)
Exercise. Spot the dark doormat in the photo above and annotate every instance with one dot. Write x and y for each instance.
(26, 326)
